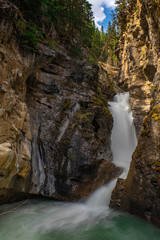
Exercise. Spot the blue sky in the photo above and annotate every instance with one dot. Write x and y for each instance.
(102, 10)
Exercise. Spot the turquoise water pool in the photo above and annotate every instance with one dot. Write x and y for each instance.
(49, 220)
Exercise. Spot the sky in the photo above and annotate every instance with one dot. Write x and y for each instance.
(102, 11)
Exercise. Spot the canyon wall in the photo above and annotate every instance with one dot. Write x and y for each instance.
(140, 74)
(55, 125)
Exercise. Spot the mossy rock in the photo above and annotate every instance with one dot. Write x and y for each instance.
(66, 104)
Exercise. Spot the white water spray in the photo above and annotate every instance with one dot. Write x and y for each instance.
(123, 143)
(69, 216)
(123, 136)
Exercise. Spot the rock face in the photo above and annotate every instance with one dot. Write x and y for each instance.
(55, 125)
(140, 74)
(139, 51)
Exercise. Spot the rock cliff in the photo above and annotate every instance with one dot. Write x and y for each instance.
(55, 125)
(140, 74)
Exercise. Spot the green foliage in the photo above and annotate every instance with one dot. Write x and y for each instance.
(115, 28)
(66, 104)
(100, 102)
(30, 35)
(53, 44)
(72, 156)
(91, 59)
(97, 44)
(155, 113)
(112, 36)
(75, 52)
(71, 19)
(38, 11)
(121, 13)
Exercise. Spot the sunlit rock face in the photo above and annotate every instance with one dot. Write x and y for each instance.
(139, 52)
(55, 125)
(140, 74)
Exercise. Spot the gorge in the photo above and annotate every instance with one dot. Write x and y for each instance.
(56, 119)
(93, 218)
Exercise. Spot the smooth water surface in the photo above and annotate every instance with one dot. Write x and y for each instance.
(49, 220)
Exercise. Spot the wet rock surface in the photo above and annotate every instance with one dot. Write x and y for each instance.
(71, 131)
(55, 125)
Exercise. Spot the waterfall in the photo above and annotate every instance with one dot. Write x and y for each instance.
(52, 216)
(123, 143)
(123, 137)
(93, 219)
(72, 215)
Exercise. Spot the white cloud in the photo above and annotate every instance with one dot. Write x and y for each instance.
(98, 9)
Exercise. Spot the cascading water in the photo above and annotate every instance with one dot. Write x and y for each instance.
(123, 143)
(123, 137)
(92, 220)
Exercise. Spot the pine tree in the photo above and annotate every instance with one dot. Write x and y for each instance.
(121, 13)
(71, 19)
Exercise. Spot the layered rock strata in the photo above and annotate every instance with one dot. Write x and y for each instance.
(55, 125)
(140, 74)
